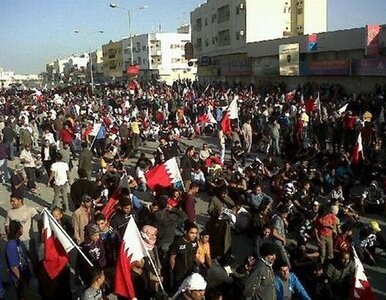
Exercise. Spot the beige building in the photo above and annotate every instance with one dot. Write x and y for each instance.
(113, 66)
(223, 27)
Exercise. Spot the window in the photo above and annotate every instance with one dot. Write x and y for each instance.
(214, 40)
(206, 43)
(139, 60)
(300, 10)
(237, 35)
(112, 53)
(214, 17)
(198, 24)
(126, 51)
(144, 48)
(237, 9)
(206, 21)
(199, 44)
(138, 47)
(224, 38)
(223, 13)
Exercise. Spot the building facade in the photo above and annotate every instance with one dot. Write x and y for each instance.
(158, 55)
(97, 66)
(113, 66)
(222, 29)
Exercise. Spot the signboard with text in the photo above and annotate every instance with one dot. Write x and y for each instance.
(337, 67)
(289, 59)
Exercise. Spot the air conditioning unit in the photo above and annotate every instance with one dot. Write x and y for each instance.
(241, 6)
(242, 32)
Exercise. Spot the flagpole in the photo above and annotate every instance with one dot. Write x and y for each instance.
(148, 255)
(66, 235)
(93, 141)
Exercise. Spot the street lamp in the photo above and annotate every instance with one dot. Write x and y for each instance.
(88, 34)
(113, 5)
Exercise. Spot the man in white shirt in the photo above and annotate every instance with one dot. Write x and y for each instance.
(59, 175)
(24, 214)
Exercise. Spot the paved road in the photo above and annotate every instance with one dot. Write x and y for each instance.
(45, 195)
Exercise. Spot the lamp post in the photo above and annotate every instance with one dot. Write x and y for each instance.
(88, 34)
(112, 5)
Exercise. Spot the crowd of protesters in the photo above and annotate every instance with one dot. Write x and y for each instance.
(296, 207)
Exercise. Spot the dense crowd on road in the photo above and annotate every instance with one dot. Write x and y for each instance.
(304, 166)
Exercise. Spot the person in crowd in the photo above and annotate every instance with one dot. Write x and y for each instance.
(97, 280)
(324, 225)
(197, 176)
(279, 232)
(167, 219)
(183, 254)
(19, 181)
(23, 214)
(85, 160)
(149, 236)
(186, 166)
(64, 221)
(288, 285)
(82, 186)
(59, 176)
(258, 198)
(4, 174)
(220, 201)
(203, 256)
(237, 153)
(205, 152)
(17, 259)
(29, 161)
(260, 284)
(339, 274)
(193, 287)
(123, 214)
(48, 154)
(93, 246)
(81, 218)
(188, 201)
(9, 139)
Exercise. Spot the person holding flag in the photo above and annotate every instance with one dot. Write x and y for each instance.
(130, 280)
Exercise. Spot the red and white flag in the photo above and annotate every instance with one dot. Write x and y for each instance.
(290, 96)
(57, 245)
(231, 113)
(112, 204)
(132, 249)
(207, 118)
(362, 288)
(164, 175)
(357, 154)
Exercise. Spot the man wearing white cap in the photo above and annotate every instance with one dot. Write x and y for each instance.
(192, 288)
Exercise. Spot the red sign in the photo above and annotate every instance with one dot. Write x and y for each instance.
(372, 40)
(133, 70)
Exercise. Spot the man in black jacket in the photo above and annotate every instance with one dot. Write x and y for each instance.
(9, 139)
(81, 187)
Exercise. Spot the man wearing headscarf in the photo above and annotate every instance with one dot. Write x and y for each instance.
(149, 236)
(193, 287)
